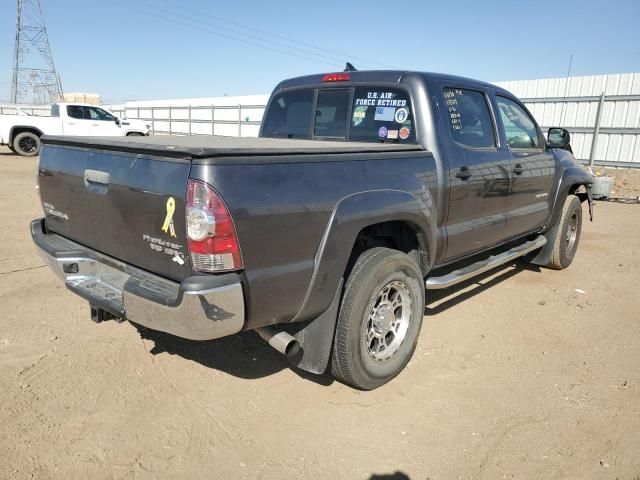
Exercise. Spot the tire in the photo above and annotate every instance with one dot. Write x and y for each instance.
(26, 144)
(375, 336)
(11, 148)
(565, 242)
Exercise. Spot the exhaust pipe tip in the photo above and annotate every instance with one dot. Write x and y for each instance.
(281, 341)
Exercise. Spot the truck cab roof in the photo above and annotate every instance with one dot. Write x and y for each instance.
(384, 76)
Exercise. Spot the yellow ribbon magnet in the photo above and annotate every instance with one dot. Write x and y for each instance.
(167, 226)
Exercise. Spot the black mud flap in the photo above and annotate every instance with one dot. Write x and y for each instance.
(316, 337)
(588, 196)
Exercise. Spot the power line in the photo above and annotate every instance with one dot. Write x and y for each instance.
(287, 39)
(213, 32)
(247, 35)
(210, 28)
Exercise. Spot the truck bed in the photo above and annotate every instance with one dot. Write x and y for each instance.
(198, 147)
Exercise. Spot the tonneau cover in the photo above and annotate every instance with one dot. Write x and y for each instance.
(201, 146)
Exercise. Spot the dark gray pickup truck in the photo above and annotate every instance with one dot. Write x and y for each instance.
(364, 191)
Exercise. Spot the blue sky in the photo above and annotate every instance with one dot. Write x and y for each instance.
(151, 49)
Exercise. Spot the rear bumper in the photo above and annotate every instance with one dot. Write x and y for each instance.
(199, 308)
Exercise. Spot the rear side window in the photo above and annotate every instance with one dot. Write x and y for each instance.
(289, 115)
(55, 110)
(382, 115)
(469, 118)
(519, 129)
(76, 111)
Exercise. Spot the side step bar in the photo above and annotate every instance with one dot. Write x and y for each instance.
(462, 274)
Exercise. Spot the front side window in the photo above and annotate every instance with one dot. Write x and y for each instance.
(289, 115)
(96, 113)
(76, 111)
(468, 117)
(519, 128)
(382, 115)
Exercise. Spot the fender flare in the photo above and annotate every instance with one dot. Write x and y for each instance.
(571, 177)
(319, 310)
(350, 215)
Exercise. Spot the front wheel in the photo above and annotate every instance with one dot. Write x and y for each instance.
(27, 144)
(380, 318)
(565, 242)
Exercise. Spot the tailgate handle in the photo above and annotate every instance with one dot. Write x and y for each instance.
(96, 181)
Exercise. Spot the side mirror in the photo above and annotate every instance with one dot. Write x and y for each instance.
(559, 138)
(117, 120)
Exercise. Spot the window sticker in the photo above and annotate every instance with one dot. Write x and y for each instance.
(384, 114)
(382, 132)
(380, 99)
(404, 133)
(452, 95)
(392, 134)
(401, 115)
(359, 113)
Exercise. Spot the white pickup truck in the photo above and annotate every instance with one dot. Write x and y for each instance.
(22, 132)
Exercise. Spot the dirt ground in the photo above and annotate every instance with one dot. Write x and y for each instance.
(627, 181)
(524, 373)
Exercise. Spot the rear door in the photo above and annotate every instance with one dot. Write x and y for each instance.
(479, 172)
(76, 122)
(128, 206)
(532, 167)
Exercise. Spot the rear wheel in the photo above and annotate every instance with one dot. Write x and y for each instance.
(27, 144)
(380, 318)
(565, 242)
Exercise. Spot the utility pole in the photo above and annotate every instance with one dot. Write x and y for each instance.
(35, 79)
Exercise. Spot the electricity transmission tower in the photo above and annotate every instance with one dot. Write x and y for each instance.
(34, 75)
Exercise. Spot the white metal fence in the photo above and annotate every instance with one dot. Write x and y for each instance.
(228, 120)
(37, 110)
(602, 112)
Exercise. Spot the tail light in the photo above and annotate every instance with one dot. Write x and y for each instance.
(211, 235)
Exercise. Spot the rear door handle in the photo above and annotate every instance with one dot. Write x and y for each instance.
(518, 169)
(463, 173)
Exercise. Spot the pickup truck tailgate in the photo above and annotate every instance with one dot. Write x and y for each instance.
(128, 206)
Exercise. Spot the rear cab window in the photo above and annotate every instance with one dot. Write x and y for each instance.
(362, 114)
(382, 114)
